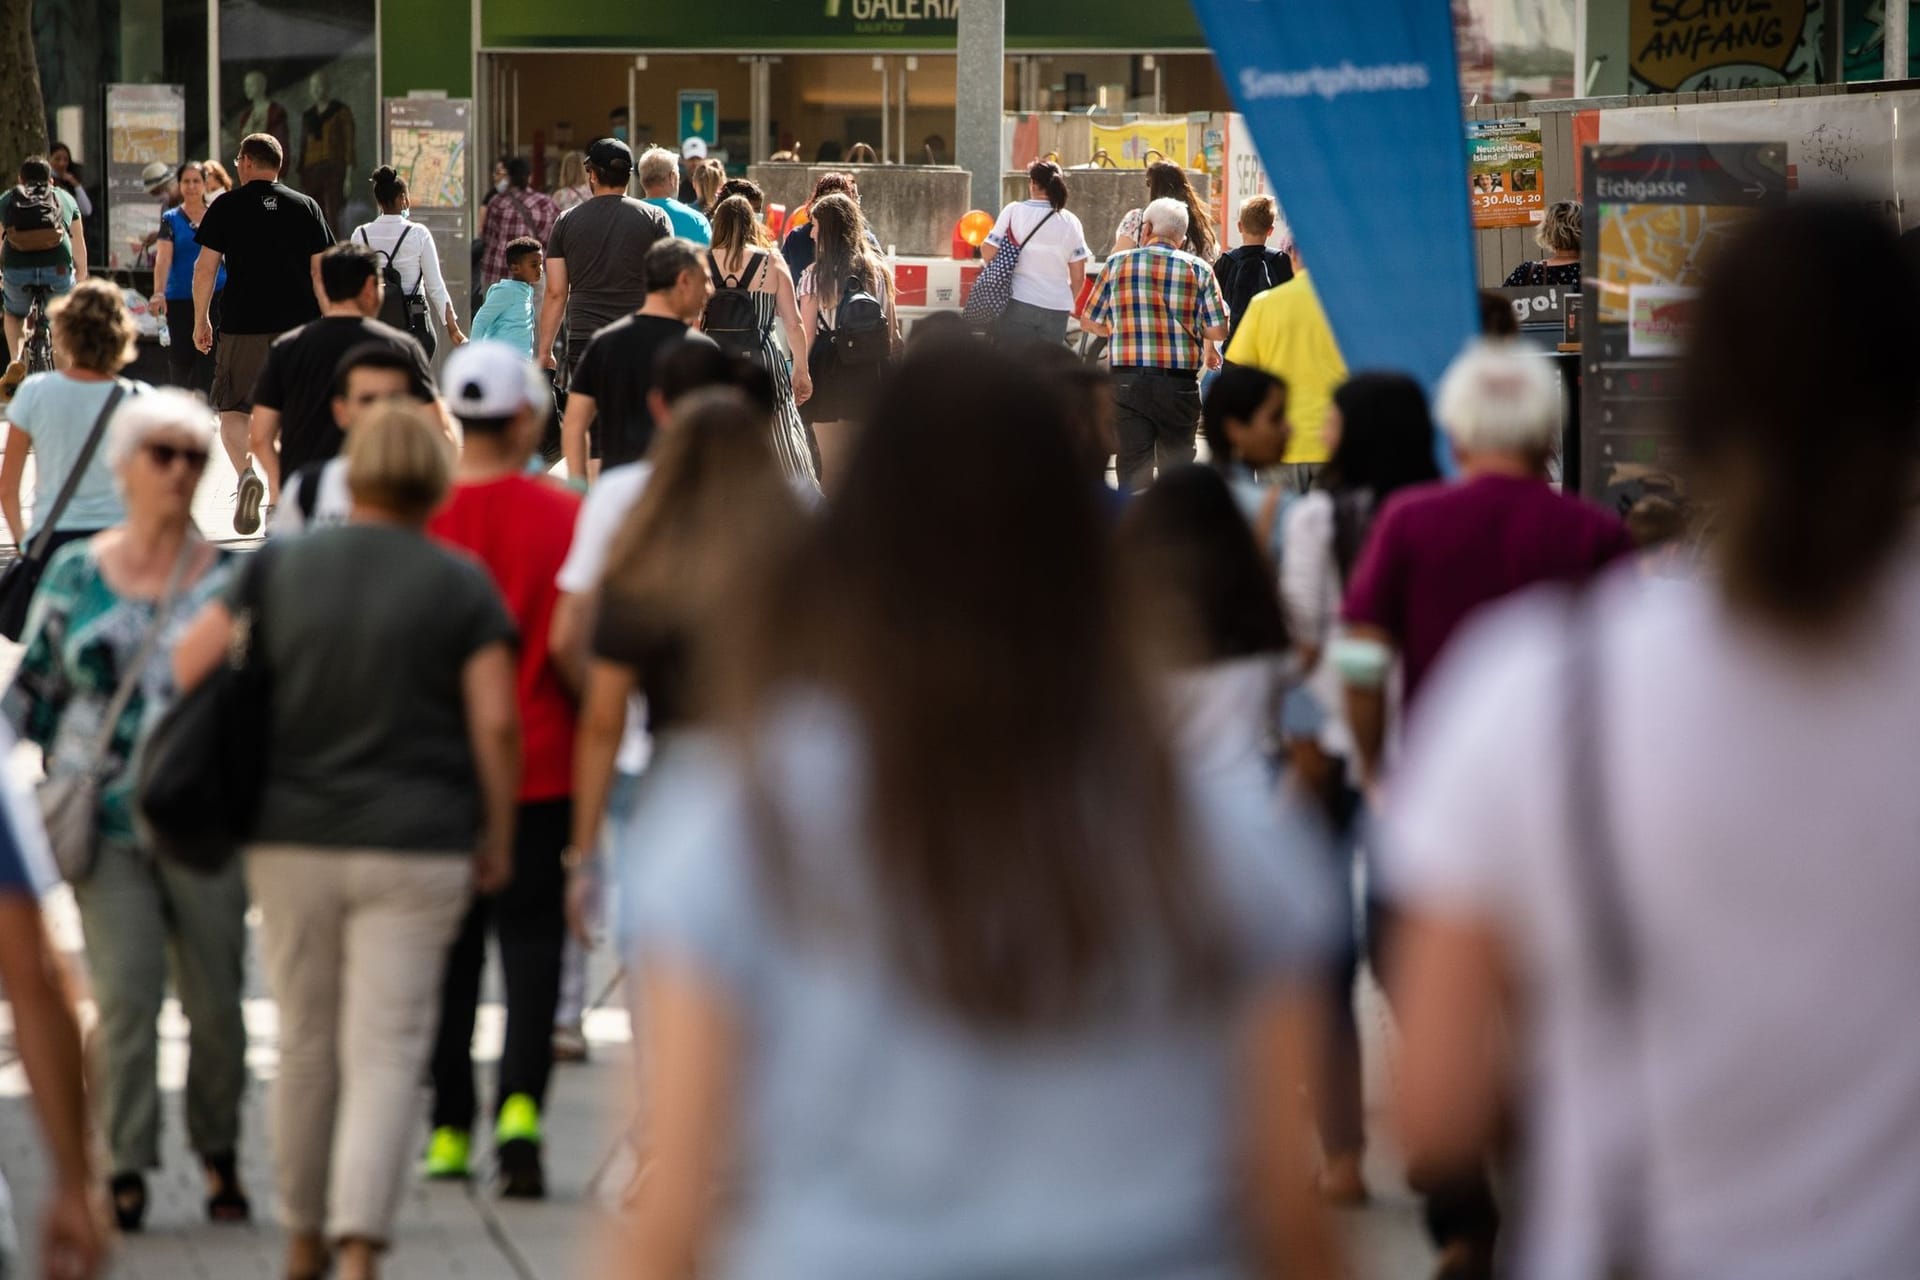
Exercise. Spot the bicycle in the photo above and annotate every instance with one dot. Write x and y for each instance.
(36, 342)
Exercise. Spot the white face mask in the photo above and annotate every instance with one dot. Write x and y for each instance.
(407, 213)
(501, 186)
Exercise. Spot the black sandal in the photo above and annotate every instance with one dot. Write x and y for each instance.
(128, 1191)
(227, 1202)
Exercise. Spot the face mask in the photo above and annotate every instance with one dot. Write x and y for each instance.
(620, 132)
(501, 186)
(407, 213)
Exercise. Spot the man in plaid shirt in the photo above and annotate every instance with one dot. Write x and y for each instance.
(517, 211)
(1166, 317)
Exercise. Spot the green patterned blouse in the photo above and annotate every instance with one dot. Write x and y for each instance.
(79, 638)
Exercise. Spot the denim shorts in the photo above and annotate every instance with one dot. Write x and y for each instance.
(58, 280)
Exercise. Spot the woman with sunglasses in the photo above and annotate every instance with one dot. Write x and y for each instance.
(144, 919)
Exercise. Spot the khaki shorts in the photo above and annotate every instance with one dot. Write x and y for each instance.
(237, 358)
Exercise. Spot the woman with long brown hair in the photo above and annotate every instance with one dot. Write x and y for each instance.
(740, 259)
(937, 938)
(174, 253)
(1168, 181)
(851, 338)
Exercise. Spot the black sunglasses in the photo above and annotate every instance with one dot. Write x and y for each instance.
(165, 455)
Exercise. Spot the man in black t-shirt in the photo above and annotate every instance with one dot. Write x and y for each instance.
(292, 398)
(270, 238)
(609, 389)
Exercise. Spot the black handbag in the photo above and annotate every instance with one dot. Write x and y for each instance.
(204, 767)
(22, 577)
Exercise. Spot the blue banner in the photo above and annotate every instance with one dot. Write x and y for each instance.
(1355, 107)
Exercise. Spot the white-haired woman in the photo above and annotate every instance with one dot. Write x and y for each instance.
(98, 604)
(1559, 235)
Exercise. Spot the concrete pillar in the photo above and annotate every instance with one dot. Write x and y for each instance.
(981, 76)
(1894, 66)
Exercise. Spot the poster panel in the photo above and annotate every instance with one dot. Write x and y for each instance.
(1656, 216)
(1506, 172)
(146, 124)
(1128, 144)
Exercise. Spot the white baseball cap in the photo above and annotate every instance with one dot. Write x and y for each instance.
(488, 379)
(694, 148)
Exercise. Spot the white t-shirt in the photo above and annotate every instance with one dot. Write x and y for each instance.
(1767, 829)
(331, 507)
(1040, 278)
(601, 515)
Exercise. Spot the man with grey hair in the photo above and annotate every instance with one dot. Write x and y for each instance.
(1167, 318)
(660, 181)
(1438, 552)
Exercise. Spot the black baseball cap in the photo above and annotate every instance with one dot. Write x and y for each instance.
(610, 153)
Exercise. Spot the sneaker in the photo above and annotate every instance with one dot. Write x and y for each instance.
(247, 501)
(521, 1174)
(516, 1141)
(519, 1120)
(569, 1044)
(447, 1153)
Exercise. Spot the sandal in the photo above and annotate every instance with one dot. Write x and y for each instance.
(226, 1202)
(128, 1191)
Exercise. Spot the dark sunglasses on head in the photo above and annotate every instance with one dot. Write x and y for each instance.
(165, 455)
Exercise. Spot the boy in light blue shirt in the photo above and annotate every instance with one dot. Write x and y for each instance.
(508, 313)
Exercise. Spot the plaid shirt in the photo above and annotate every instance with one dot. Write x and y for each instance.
(1159, 301)
(505, 225)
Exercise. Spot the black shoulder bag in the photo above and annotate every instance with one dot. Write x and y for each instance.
(22, 577)
(204, 767)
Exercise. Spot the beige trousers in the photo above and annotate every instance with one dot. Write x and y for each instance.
(355, 943)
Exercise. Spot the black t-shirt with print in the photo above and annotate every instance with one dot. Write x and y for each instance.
(297, 381)
(268, 234)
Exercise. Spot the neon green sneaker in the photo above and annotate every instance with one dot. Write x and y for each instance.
(519, 1120)
(447, 1153)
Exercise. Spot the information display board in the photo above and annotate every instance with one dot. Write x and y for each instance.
(145, 123)
(1656, 216)
(429, 142)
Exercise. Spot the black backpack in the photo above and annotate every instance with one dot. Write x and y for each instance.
(1243, 278)
(33, 219)
(398, 307)
(859, 334)
(731, 318)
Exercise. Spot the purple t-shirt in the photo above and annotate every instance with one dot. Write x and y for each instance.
(1440, 551)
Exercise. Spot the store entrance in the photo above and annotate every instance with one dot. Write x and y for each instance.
(817, 106)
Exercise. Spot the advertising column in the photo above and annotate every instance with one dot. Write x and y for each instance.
(428, 141)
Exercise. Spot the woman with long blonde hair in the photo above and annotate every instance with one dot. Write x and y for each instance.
(740, 259)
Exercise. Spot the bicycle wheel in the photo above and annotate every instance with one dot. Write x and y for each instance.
(39, 353)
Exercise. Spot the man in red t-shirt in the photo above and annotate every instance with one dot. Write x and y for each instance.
(520, 527)
(1439, 552)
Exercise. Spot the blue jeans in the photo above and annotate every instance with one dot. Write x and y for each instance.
(17, 280)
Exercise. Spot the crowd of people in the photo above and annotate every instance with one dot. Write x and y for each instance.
(995, 849)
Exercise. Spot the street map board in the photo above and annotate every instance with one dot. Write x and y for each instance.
(1657, 213)
(429, 142)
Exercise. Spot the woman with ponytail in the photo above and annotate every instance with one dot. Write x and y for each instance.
(1053, 260)
(408, 248)
(1657, 840)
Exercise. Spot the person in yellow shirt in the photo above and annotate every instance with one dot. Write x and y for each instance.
(1285, 333)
